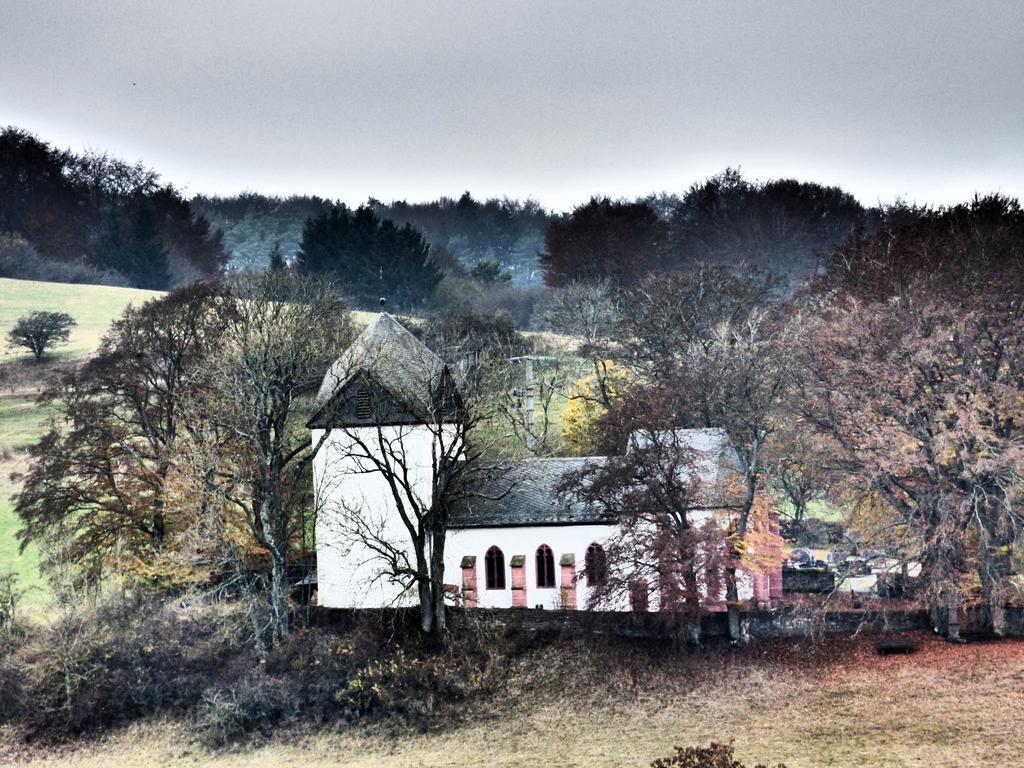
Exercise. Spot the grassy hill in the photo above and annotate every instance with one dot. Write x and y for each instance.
(836, 705)
(92, 306)
(21, 420)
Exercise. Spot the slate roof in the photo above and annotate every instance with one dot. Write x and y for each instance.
(526, 493)
(394, 358)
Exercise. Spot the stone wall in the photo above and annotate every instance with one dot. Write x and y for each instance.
(807, 580)
(755, 624)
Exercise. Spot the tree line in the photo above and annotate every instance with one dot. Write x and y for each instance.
(782, 225)
(95, 212)
(461, 232)
(94, 218)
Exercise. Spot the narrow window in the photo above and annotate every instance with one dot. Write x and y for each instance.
(545, 567)
(363, 410)
(494, 565)
(596, 565)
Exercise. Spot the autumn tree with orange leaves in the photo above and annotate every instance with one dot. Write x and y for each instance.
(913, 365)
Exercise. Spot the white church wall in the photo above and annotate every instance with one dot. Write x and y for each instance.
(525, 540)
(350, 574)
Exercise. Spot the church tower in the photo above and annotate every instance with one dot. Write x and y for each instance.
(383, 409)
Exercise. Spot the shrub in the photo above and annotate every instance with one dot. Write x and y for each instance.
(93, 669)
(403, 687)
(99, 667)
(712, 756)
(251, 709)
(813, 532)
(518, 302)
(10, 596)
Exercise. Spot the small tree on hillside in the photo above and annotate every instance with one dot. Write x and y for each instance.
(590, 398)
(40, 331)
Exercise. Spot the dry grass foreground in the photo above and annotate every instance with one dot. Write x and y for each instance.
(843, 706)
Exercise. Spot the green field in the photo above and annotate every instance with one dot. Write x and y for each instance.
(92, 307)
(22, 421)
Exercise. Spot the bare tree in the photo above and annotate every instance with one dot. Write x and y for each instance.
(801, 470)
(660, 491)
(283, 333)
(589, 313)
(714, 343)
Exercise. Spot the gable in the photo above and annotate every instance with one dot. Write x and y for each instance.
(407, 382)
(364, 401)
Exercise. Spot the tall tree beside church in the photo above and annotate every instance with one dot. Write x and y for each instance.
(370, 256)
(418, 398)
(914, 369)
(604, 239)
(97, 483)
(661, 547)
(282, 334)
(723, 366)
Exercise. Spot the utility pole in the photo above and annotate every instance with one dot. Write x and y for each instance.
(529, 409)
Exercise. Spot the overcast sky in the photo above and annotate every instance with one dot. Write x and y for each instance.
(553, 100)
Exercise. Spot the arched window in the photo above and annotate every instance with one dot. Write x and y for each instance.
(494, 567)
(596, 565)
(545, 567)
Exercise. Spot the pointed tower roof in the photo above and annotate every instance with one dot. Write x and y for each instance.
(395, 360)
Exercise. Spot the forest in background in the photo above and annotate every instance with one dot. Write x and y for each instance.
(93, 218)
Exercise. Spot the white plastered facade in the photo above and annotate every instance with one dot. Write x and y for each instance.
(352, 575)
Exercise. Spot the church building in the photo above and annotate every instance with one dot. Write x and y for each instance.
(515, 542)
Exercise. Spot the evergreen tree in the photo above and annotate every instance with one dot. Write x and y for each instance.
(131, 244)
(604, 240)
(369, 257)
